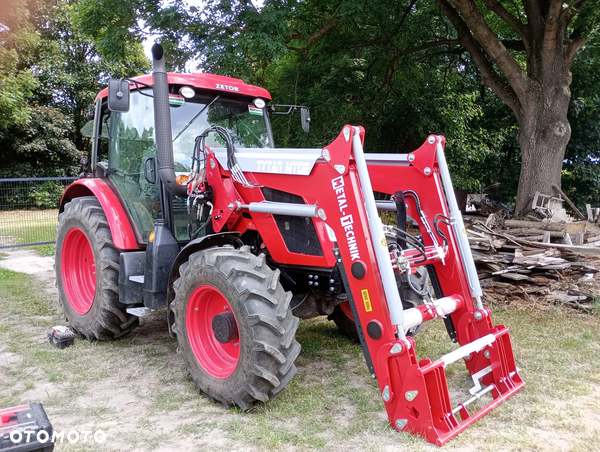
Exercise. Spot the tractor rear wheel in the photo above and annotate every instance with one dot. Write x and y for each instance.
(87, 272)
(342, 313)
(234, 326)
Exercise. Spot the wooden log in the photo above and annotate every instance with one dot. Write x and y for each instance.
(535, 225)
(528, 231)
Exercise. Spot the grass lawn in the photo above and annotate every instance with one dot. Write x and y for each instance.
(29, 226)
(137, 391)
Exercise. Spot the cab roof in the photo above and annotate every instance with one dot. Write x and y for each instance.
(205, 82)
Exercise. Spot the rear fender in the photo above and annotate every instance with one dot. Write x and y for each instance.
(199, 244)
(122, 231)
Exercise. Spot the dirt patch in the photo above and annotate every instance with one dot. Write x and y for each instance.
(31, 263)
(137, 391)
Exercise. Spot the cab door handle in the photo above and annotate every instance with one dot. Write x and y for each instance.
(150, 170)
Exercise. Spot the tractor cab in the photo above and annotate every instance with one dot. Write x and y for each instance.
(125, 146)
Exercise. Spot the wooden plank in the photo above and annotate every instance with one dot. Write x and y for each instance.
(593, 238)
(569, 202)
(585, 250)
(590, 214)
(515, 276)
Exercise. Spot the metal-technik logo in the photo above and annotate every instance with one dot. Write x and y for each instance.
(42, 436)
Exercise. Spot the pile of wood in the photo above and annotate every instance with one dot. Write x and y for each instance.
(536, 260)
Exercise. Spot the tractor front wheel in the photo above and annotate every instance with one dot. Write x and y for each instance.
(87, 272)
(234, 326)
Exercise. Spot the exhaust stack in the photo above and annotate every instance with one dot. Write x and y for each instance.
(162, 124)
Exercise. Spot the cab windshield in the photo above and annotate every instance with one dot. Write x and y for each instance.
(244, 122)
(132, 149)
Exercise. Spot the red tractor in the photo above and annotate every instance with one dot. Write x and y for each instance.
(190, 207)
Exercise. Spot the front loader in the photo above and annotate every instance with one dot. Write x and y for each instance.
(191, 207)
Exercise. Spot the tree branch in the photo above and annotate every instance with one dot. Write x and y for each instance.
(407, 12)
(426, 46)
(551, 38)
(490, 42)
(567, 15)
(489, 76)
(569, 12)
(574, 46)
(390, 67)
(535, 21)
(312, 39)
(514, 22)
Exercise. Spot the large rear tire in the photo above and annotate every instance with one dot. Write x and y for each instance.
(234, 326)
(87, 272)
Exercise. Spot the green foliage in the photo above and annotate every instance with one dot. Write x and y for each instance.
(49, 74)
(41, 147)
(114, 26)
(581, 174)
(352, 62)
(70, 67)
(48, 194)
(18, 39)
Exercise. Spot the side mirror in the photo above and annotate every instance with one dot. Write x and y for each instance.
(304, 113)
(305, 118)
(118, 95)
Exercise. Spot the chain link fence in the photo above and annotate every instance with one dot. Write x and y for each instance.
(29, 210)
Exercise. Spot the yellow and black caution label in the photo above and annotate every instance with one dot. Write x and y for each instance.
(366, 300)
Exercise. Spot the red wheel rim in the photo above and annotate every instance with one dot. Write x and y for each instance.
(218, 360)
(78, 271)
(346, 309)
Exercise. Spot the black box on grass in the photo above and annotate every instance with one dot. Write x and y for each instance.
(25, 428)
(61, 336)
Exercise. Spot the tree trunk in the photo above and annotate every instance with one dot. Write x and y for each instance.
(543, 137)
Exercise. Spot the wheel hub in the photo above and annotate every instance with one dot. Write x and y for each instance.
(212, 331)
(225, 327)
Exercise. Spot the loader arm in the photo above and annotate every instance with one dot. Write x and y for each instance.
(337, 187)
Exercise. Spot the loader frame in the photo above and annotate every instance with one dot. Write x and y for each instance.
(338, 193)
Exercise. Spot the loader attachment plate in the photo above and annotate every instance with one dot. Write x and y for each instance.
(420, 401)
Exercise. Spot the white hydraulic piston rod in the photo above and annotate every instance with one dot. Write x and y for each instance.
(278, 208)
(382, 254)
(458, 225)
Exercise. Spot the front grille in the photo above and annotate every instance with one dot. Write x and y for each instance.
(299, 233)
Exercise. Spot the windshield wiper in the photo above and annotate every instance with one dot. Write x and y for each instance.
(196, 117)
(246, 126)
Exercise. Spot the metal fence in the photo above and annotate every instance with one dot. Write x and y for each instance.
(29, 210)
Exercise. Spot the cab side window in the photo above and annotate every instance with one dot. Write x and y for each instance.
(132, 161)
